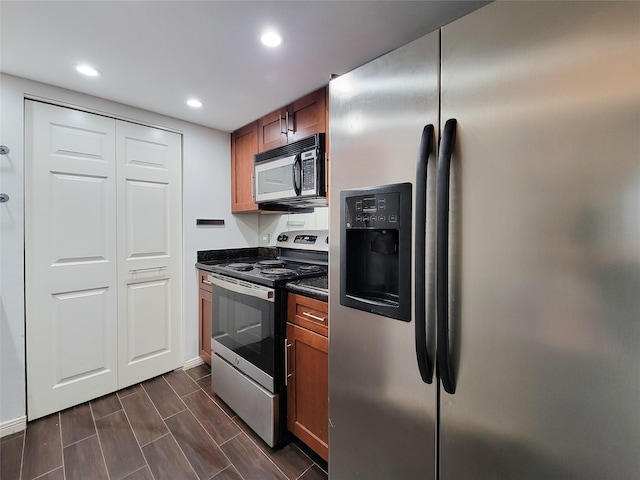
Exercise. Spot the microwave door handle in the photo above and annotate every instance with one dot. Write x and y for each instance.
(254, 184)
(297, 175)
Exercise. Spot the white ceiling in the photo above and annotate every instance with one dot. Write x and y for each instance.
(156, 54)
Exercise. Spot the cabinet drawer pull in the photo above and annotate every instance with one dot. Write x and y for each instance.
(314, 317)
(206, 282)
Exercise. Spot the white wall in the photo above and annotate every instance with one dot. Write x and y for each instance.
(206, 194)
(273, 224)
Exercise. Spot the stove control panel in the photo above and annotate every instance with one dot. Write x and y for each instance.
(304, 240)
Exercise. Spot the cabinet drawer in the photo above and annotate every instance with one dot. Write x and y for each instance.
(203, 283)
(308, 313)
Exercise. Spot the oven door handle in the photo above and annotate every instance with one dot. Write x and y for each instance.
(243, 288)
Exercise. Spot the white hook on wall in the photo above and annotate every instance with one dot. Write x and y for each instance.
(3, 151)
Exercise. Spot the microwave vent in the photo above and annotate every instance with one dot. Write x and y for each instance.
(316, 140)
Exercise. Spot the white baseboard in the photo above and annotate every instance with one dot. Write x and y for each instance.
(194, 362)
(13, 426)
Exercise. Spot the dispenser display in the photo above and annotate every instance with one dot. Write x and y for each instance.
(375, 249)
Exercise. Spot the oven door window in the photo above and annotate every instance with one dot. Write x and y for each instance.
(245, 325)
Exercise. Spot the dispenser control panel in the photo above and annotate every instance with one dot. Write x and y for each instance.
(373, 210)
(375, 250)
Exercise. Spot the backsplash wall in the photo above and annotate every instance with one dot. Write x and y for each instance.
(272, 224)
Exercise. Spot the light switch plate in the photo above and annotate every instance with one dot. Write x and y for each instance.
(265, 238)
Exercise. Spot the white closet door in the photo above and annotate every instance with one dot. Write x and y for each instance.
(149, 203)
(70, 244)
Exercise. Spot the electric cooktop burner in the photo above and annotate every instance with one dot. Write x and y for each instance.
(310, 268)
(270, 263)
(278, 272)
(241, 267)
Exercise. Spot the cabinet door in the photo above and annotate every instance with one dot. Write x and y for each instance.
(70, 257)
(272, 130)
(204, 320)
(307, 387)
(244, 145)
(149, 218)
(307, 116)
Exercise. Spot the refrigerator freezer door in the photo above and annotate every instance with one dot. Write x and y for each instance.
(382, 415)
(544, 258)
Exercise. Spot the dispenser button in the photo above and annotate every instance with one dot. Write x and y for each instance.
(393, 219)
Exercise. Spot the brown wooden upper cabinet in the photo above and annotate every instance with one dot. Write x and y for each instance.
(304, 117)
(244, 145)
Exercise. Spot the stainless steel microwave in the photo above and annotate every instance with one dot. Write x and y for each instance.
(292, 175)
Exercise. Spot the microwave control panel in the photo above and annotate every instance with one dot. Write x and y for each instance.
(308, 160)
(373, 210)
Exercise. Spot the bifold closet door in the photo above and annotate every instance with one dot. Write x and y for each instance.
(149, 206)
(70, 261)
(103, 255)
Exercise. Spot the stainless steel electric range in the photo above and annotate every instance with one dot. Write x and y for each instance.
(249, 319)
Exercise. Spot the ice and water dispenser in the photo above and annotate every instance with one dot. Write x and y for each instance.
(375, 250)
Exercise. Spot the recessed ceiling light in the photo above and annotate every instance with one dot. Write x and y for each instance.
(271, 39)
(194, 103)
(88, 70)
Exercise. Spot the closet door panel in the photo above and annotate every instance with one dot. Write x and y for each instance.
(70, 257)
(149, 251)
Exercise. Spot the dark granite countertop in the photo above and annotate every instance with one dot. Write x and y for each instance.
(206, 258)
(316, 287)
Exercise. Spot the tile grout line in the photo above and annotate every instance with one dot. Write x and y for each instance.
(95, 425)
(47, 473)
(205, 430)
(64, 470)
(81, 440)
(169, 432)
(136, 437)
(213, 439)
(302, 474)
(199, 423)
(262, 451)
(141, 468)
(249, 437)
(24, 439)
(61, 452)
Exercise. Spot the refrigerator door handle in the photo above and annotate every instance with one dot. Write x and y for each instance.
(426, 146)
(443, 355)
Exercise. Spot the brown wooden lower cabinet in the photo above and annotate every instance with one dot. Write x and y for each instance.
(204, 322)
(307, 369)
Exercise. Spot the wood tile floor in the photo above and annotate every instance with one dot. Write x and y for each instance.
(170, 427)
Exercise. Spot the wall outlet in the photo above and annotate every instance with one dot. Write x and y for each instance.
(265, 238)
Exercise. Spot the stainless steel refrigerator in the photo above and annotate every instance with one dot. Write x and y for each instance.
(517, 128)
